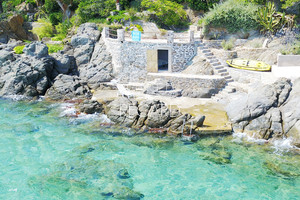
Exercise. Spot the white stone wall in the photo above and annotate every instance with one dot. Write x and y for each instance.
(133, 55)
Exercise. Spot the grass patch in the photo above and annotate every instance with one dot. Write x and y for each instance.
(45, 30)
(54, 48)
(228, 45)
(19, 49)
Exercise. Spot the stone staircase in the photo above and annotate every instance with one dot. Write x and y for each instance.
(219, 69)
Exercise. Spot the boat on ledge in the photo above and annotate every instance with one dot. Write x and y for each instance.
(253, 65)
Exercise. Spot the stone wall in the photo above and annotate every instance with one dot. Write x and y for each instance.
(130, 58)
(189, 81)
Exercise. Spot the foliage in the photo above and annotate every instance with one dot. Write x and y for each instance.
(58, 37)
(51, 6)
(55, 18)
(19, 49)
(288, 3)
(260, 2)
(53, 48)
(272, 21)
(233, 15)
(166, 13)
(133, 26)
(292, 49)
(62, 28)
(227, 45)
(89, 9)
(120, 17)
(45, 30)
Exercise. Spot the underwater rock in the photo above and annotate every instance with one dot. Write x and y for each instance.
(288, 169)
(123, 174)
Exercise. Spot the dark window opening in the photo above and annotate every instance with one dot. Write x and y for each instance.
(163, 60)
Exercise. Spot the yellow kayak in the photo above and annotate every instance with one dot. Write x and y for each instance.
(249, 64)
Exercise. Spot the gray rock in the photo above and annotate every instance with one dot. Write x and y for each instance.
(6, 56)
(26, 76)
(158, 115)
(178, 125)
(84, 42)
(200, 93)
(91, 107)
(197, 121)
(64, 64)
(36, 49)
(68, 87)
(99, 69)
(291, 108)
(123, 111)
(259, 127)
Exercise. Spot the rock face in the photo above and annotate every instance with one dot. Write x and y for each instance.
(163, 88)
(84, 42)
(151, 114)
(68, 87)
(64, 64)
(100, 68)
(27, 75)
(12, 28)
(199, 65)
(91, 107)
(93, 60)
(270, 111)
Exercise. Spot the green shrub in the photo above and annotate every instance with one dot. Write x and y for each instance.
(291, 49)
(63, 28)
(121, 17)
(89, 9)
(19, 49)
(45, 30)
(227, 45)
(53, 48)
(58, 37)
(233, 15)
(132, 26)
(271, 21)
(55, 18)
(166, 13)
(51, 6)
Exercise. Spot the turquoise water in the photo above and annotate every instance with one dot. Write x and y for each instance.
(46, 156)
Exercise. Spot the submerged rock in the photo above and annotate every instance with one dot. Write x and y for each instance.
(90, 107)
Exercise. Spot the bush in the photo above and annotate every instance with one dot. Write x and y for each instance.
(233, 15)
(53, 48)
(95, 9)
(166, 13)
(55, 18)
(51, 6)
(121, 17)
(227, 45)
(292, 49)
(45, 30)
(19, 49)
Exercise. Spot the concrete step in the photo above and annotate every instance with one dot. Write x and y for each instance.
(209, 54)
(213, 60)
(215, 63)
(219, 67)
(229, 80)
(211, 57)
(206, 51)
(227, 77)
(204, 48)
(224, 74)
(221, 70)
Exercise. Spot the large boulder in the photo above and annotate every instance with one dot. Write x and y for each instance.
(36, 49)
(266, 112)
(6, 56)
(64, 64)
(123, 111)
(84, 42)
(26, 75)
(12, 28)
(68, 87)
(100, 68)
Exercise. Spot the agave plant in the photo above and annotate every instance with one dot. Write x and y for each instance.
(272, 21)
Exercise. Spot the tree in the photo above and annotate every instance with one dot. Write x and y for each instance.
(65, 6)
(1, 8)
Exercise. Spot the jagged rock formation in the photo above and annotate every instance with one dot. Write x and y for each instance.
(27, 75)
(271, 111)
(151, 114)
(68, 87)
(12, 28)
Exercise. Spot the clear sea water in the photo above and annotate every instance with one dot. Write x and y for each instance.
(45, 155)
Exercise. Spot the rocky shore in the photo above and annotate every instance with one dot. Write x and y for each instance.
(270, 112)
